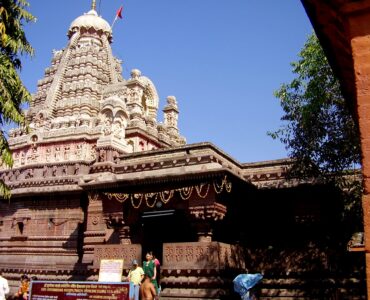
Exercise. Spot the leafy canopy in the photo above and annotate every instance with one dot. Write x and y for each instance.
(13, 94)
(319, 131)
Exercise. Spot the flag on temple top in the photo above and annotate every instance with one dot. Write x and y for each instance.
(119, 12)
(118, 15)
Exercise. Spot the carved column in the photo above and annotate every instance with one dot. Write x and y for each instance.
(118, 224)
(204, 217)
(124, 235)
(95, 229)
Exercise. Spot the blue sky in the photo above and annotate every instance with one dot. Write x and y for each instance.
(222, 59)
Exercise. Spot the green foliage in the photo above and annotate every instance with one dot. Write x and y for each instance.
(318, 129)
(13, 94)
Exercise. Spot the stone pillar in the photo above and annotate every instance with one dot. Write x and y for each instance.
(136, 102)
(118, 224)
(95, 227)
(360, 43)
(124, 235)
(171, 116)
(204, 216)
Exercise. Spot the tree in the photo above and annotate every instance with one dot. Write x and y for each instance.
(319, 130)
(13, 94)
(320, 133)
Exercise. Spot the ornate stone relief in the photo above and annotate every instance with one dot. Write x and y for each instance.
(84, 110)
(54, 153)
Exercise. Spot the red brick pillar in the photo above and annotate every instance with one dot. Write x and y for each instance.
(360, 43)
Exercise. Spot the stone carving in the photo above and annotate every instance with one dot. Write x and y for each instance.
(215, 211)
(102, 155)
(28, 174)
(213, 255)
(118, 130)
(44, 171)
(17, 173)
(78, 151)
(115, 157)
(64, 171)
(34, 155)
(16, 158)
(57, 153)
(66, 152)
(54, 171)
(125, 252)
(93, 152)
(107, 127)
(39, 120)
(23, 158)
(48, 154)
(77, 169)
(95, 220)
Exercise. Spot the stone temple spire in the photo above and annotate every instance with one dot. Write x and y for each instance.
(93, 5)
(84, 110)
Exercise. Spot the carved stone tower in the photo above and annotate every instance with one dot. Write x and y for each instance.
(84, 110)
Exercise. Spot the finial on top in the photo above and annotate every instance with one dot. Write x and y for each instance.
(93, 5)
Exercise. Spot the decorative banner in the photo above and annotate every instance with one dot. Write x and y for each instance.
(74, 290)
(151, 199)
(110, 270)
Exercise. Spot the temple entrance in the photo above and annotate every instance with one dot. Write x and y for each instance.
(164, 226)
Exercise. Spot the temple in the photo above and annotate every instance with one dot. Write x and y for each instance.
(98, 175)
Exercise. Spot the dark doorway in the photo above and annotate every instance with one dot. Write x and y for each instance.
(164, 226)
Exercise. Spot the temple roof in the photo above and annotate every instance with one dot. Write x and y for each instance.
(84, 112)
(90, 20)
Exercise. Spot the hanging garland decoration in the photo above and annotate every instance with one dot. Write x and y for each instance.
(151, 199)
(199, 190)
(167, 198)
(118, 196)
(227, 185)
(224, 184)
(218, 188)
(185, 192)
(136, 196)
(151, 195)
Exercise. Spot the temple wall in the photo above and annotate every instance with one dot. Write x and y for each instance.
(302, 255)
(40, 236)
(313, 272)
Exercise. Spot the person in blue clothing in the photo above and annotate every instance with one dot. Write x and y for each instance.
(244, 284)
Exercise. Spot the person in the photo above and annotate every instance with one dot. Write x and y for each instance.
(150, 269)
(22, 293)
(147, 289)
(158, 272)
(244, 285)
(4, 287)
(135, 276)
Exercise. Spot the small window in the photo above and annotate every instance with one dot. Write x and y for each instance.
(20, 227)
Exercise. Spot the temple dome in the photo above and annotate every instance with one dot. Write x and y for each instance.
(90, 20)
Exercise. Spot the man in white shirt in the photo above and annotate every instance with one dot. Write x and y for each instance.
(4, 287)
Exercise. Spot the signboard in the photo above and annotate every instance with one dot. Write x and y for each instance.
(74, 290)
(110, 270)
